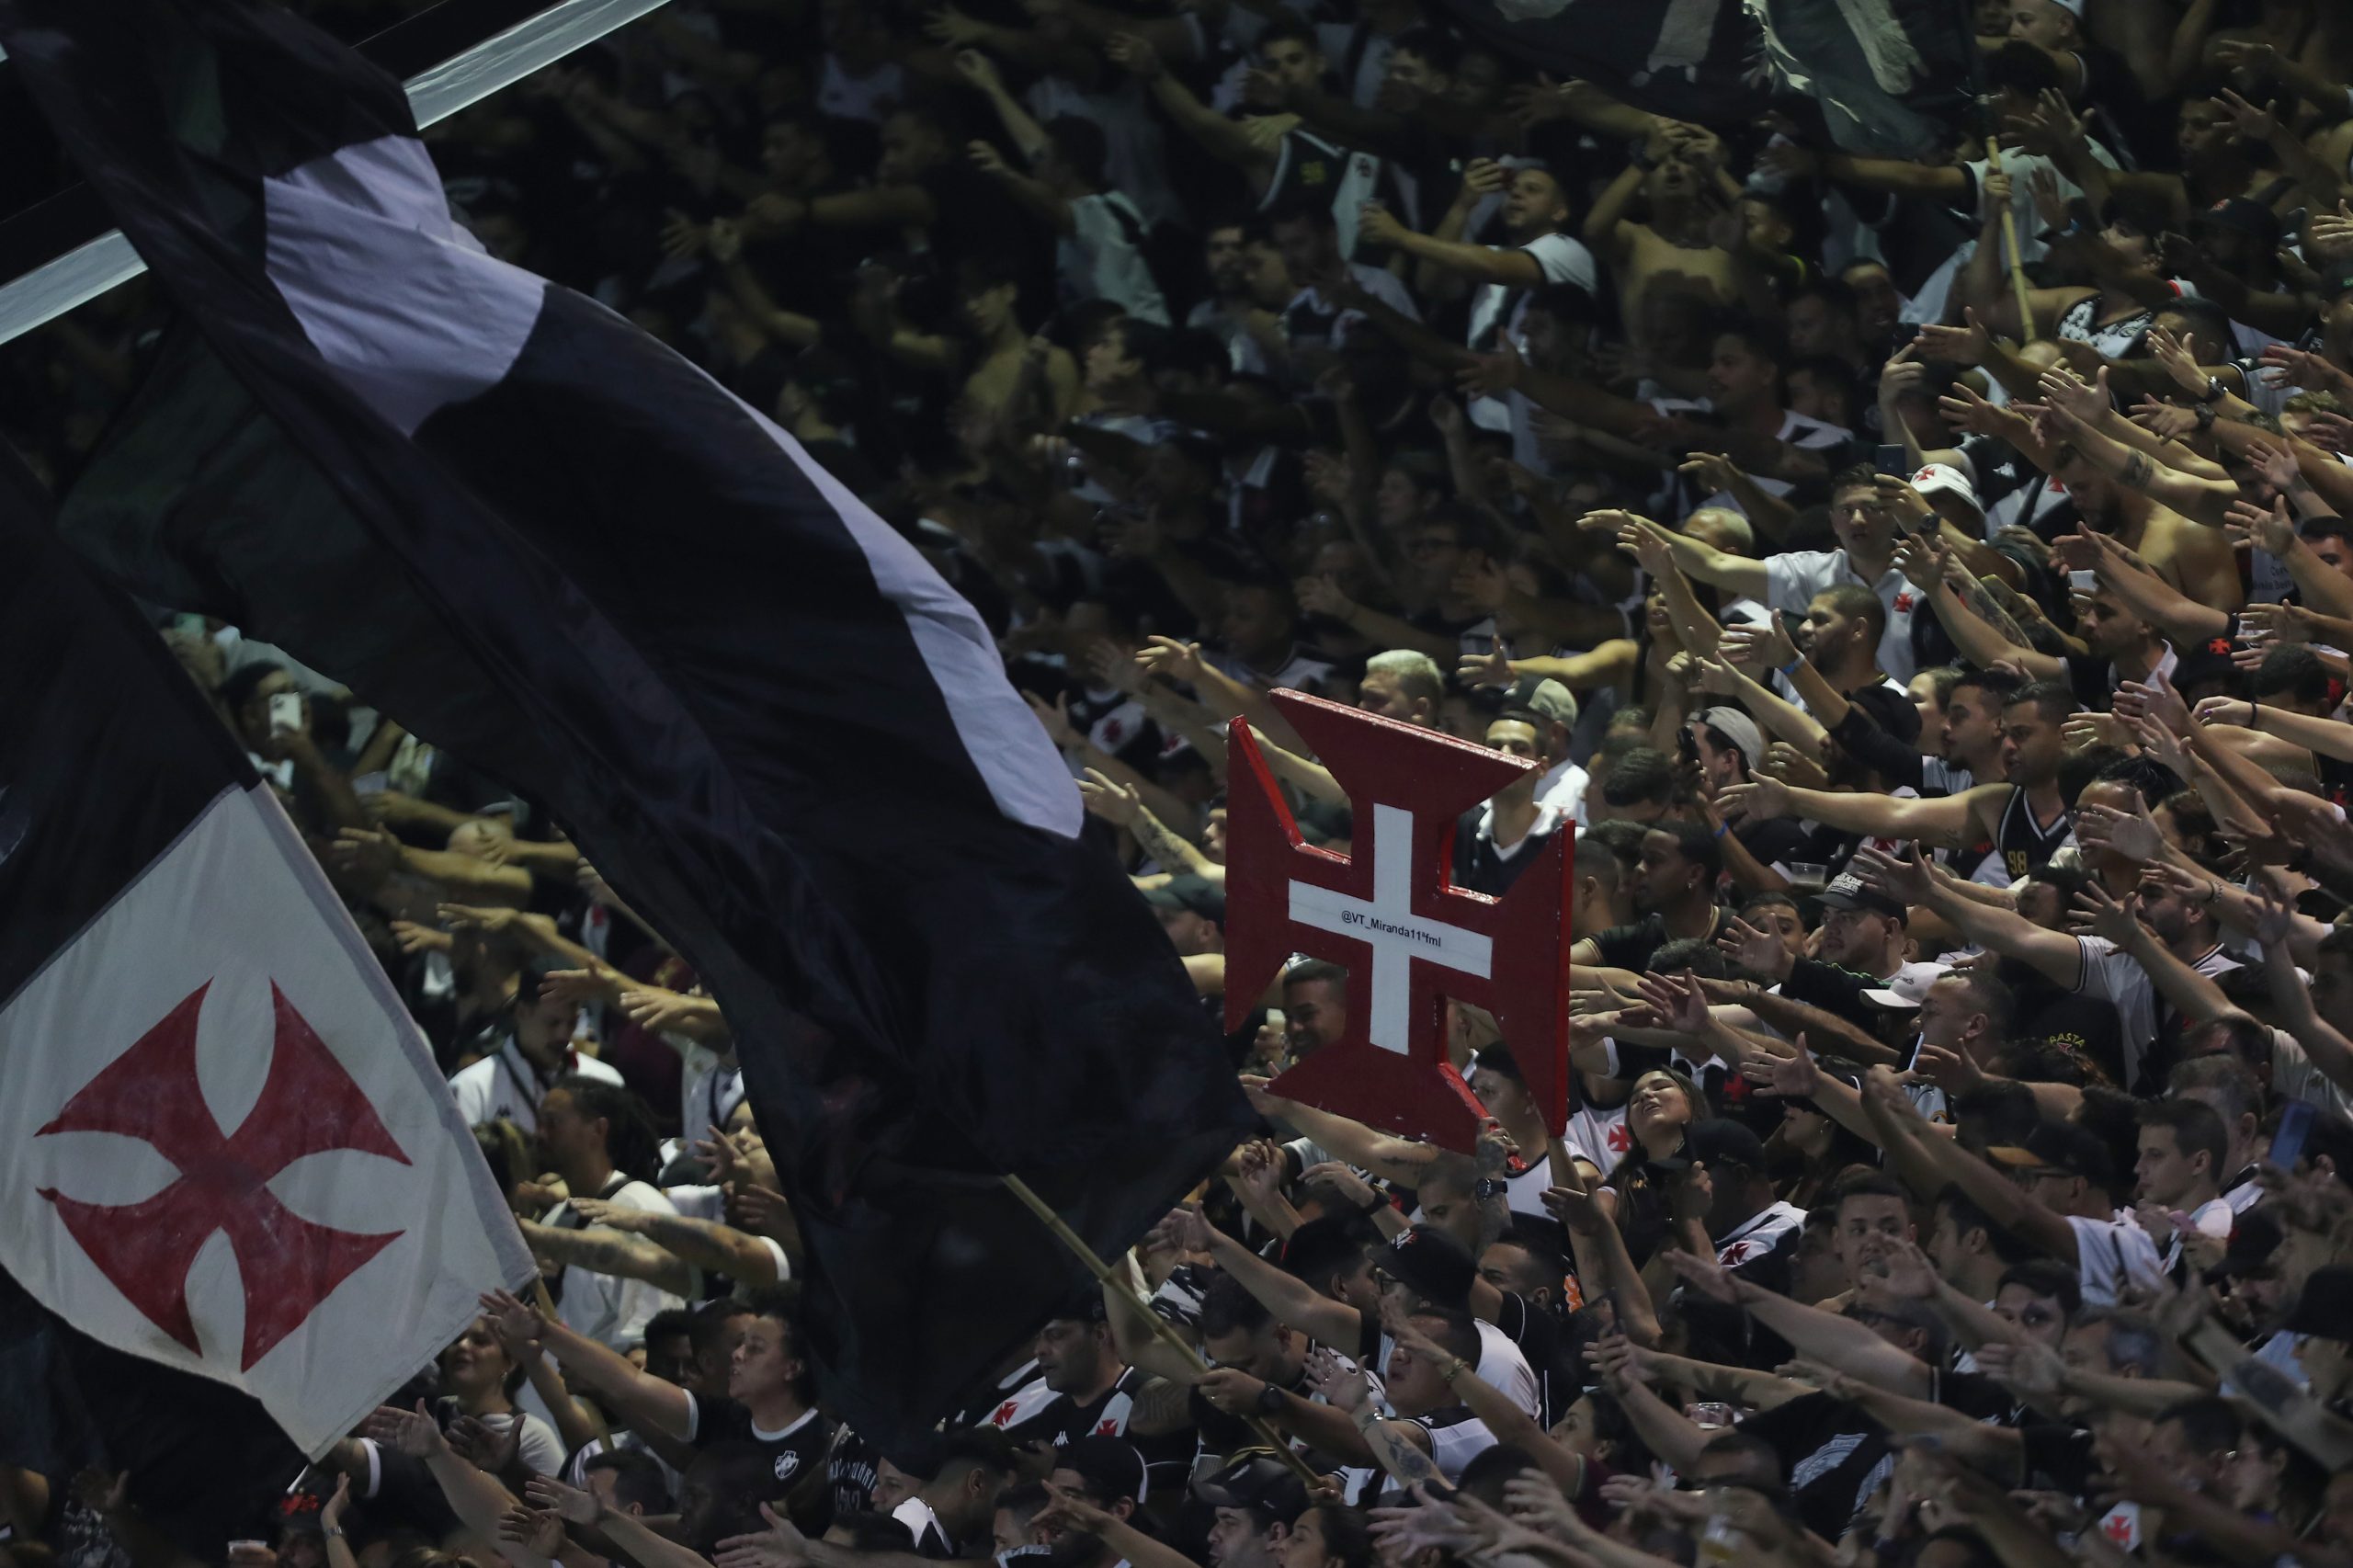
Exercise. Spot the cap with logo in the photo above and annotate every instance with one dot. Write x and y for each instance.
(1432, 1265)
(1257, 1481)
(1847, 892)
(1943, 479)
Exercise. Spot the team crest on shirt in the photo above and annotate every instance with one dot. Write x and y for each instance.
(787, 1464)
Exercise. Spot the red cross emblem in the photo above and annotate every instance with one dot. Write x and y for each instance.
(1619, 1140)
(1389, 914)
(2118, 1529)
(1903, 602)
(1005, 1413)
(286, 1264)
(1107, 1428)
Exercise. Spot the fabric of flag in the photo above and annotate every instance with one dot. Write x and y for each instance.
(1888, 78)
(1691, 59)
(237, 1207)
(541, 540)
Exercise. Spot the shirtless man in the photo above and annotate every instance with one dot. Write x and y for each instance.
(1681, 180)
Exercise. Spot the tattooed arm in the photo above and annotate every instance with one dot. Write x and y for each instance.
(611, 1251)
(2202, 500)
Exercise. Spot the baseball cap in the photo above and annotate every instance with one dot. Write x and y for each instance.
(2325, 1306)
(1943, 479)
(1546, 698)
(2073, 7)
(1111, 1466)
(2240, 213)
(1431, 1264)
(1739, 728)
(2060, 1147)
(1719, 1141)
(2254, 1236)
(1255, 1480)
(1198, 894)
(1846, 892)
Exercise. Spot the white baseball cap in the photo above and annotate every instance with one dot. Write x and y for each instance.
(1943, 479)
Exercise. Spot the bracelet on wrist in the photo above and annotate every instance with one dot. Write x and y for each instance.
(1791, 669)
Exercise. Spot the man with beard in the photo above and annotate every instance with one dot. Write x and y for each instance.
(2026, 819)
(1674, 894)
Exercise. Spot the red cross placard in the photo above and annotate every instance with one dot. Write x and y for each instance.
(1389, 914)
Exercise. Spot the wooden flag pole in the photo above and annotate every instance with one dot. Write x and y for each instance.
(2011, 245)
(1160, 1327)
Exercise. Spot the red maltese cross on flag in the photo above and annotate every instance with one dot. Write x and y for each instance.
(1389, 913)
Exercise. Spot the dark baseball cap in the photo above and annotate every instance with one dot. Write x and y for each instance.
(1255, 1480)
(1110, 1466)
(1721, 1142)
(2060, 1147)
(1847, 890)
(2247, 216)
(1198, 894)
(2325, 1306)
(2255, 1237)
(1431, 1264)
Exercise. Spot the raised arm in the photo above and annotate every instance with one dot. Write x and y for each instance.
(639, 1396)
(610, 1252)
(1947, 821)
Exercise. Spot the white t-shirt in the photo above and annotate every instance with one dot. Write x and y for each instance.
(2112, 1254)
(2294, 1074)
(503, 1086)
(603, 1307)
(1793, 577)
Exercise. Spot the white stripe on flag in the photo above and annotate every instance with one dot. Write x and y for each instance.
(404, 306)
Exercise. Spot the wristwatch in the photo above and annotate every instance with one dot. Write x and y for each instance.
(2214, 392)
(1488, 1187)
(1271, 1401)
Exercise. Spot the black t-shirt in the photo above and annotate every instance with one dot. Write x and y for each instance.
(849, 1472)
(1560, 1378)
(797, 1454)
(1832, 1455)
(1477, 866)
(1167, 1456)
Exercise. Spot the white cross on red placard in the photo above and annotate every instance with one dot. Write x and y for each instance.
(1389, 913)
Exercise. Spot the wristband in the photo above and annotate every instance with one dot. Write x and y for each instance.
(331, 1529)
(1722, 831)
(1373, 1205)
(1789, 669)
(2213, 890)
(1454, 1371)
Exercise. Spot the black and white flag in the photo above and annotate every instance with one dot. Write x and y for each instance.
(543, 541)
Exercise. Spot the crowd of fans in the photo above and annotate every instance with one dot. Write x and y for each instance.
(1941, 673)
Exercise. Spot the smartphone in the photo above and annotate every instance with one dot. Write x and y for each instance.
(2084, 582)
(2288, 1143)
(285, 712)
(1893, 461)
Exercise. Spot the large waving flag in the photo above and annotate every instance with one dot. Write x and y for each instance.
(237, 1206)
(541, 540)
